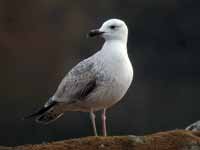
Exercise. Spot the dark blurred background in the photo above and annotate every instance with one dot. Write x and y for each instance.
(41, 40)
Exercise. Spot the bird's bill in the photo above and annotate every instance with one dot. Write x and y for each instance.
(95, 32)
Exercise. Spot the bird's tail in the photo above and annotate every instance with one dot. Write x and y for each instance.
(46, 114)
(49, 116)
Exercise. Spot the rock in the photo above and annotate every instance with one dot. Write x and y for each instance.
(169, 140)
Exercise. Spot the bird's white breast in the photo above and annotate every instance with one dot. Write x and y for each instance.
(118, 69)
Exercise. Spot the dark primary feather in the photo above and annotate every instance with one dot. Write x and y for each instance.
(42, 110)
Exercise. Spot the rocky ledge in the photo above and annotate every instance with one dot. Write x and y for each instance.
(168, 140)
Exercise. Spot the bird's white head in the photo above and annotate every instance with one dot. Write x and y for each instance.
(112, 29)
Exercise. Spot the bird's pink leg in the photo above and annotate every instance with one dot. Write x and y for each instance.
(103, 117)
(92, 116)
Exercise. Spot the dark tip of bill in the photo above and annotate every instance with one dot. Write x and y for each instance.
(93, 33)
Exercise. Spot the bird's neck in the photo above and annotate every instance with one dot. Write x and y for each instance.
(122, 40)
(115, 46)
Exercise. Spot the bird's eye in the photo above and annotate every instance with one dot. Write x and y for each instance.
(112, 27)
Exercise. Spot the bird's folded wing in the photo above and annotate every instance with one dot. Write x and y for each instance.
(78, 83)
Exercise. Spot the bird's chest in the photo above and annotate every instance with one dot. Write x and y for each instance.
(119, 69)
(122, 77)
(118, 72)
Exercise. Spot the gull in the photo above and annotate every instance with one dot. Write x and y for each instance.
(96, 83)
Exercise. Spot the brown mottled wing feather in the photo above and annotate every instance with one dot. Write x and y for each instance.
(78, 83)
